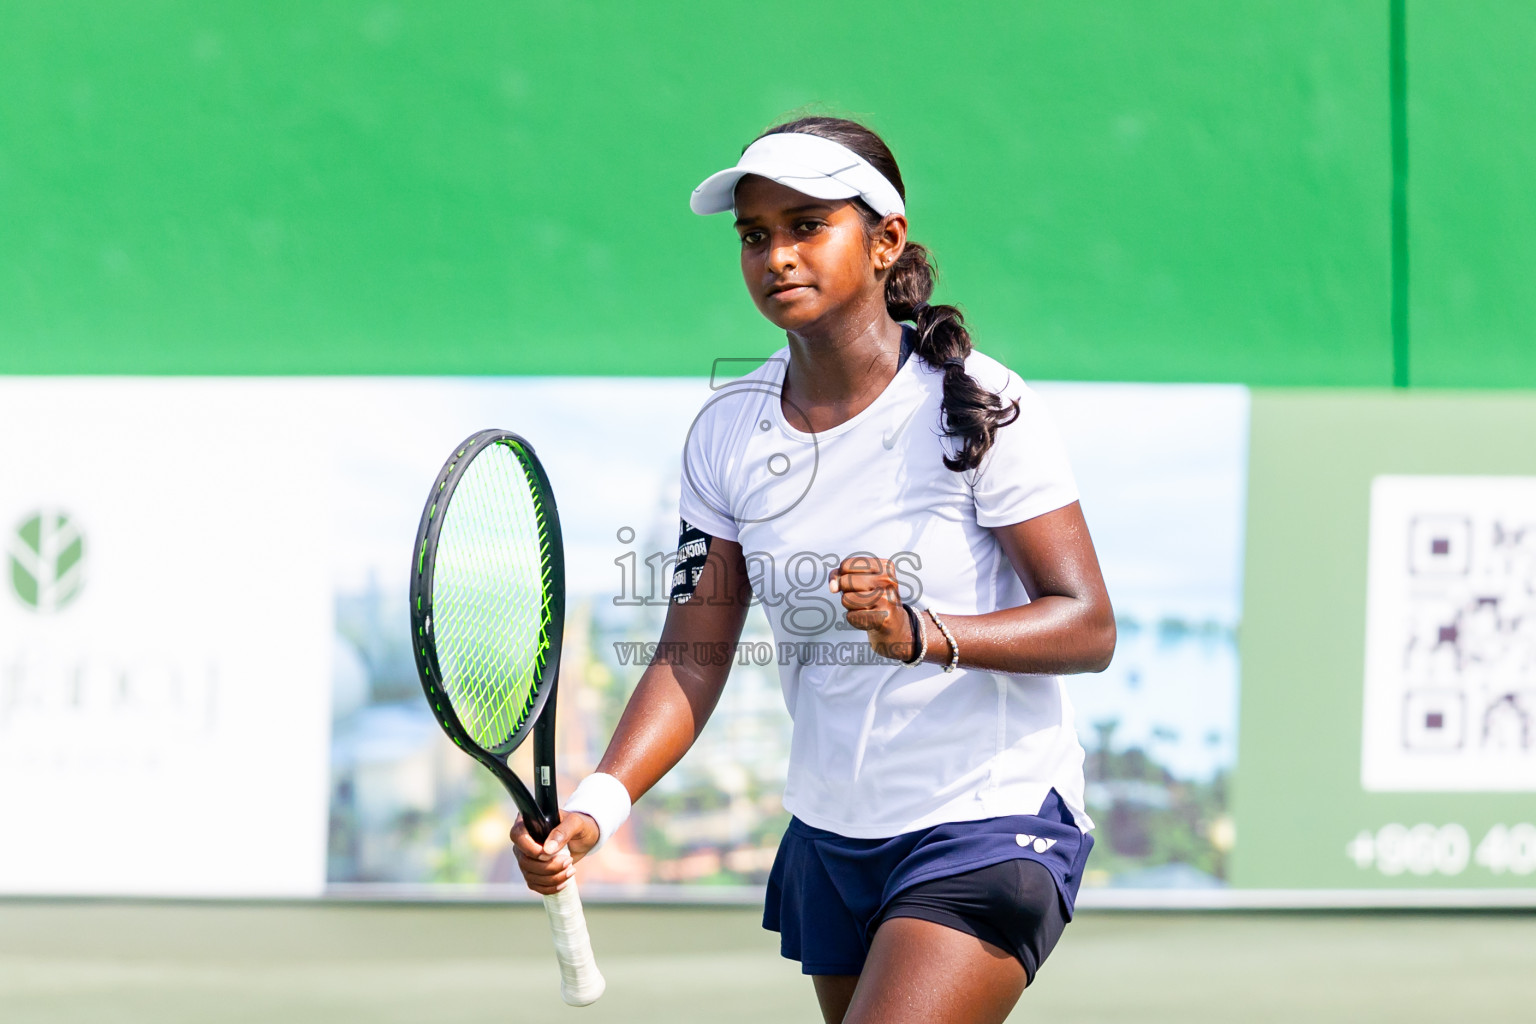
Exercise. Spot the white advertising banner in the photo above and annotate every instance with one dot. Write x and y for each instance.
(206, 683)
(165, 638)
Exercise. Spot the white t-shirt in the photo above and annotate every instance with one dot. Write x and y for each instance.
(878, 748)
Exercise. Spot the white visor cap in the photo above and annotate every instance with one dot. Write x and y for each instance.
(809, 164)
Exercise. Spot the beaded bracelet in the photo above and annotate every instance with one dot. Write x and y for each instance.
(918, 637)
(954, 648)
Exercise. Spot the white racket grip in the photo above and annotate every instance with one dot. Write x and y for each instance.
(580, 980)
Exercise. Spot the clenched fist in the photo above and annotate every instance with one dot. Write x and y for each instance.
(872, 599)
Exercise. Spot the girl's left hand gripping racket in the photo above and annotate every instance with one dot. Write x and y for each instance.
(487, 611)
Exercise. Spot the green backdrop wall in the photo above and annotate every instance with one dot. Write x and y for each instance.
(1187, 190)
(1472, 211)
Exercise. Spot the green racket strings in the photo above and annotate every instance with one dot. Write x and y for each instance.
(489, 596)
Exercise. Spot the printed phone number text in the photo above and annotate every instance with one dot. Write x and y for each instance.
(1444, 849)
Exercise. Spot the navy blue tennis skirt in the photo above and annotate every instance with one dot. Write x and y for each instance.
(828, 893)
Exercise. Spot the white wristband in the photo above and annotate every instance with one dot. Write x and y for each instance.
(604, 798)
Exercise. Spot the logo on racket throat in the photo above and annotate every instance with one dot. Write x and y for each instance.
(47, 560)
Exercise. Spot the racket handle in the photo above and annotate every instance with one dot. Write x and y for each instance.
(580, 980)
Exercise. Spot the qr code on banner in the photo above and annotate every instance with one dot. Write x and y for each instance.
(1450, 664)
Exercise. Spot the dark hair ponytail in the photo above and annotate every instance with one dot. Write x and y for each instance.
(972, 414)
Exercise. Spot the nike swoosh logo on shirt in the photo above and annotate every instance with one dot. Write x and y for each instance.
(889, 440)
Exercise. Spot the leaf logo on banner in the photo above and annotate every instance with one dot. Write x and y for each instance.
(47, 561)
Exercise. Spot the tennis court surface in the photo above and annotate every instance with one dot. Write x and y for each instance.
(140, 962)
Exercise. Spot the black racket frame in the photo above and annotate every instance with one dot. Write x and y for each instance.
(539, 807)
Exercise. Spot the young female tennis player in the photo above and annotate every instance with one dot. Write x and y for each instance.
(903, 509)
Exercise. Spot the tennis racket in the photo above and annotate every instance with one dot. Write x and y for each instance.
(487, 612)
